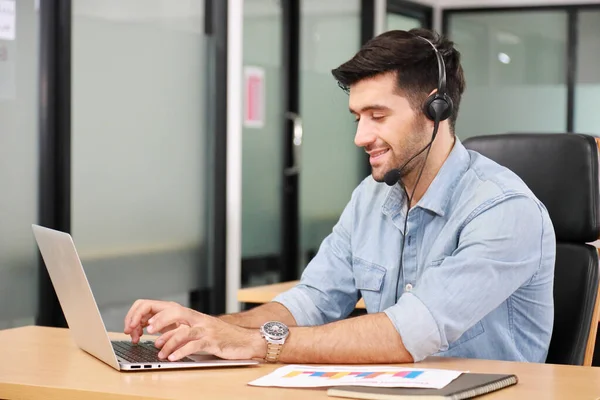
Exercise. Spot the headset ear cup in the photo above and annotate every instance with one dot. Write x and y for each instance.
(438, 107)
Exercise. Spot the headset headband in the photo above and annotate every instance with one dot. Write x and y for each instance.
(441, 68)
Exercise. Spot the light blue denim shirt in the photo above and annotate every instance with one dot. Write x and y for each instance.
(476, 279)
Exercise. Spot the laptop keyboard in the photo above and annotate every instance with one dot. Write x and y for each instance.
(143, 352)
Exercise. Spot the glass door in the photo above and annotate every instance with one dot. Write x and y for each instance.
(264, 113)
(331, 165)
(297, 132)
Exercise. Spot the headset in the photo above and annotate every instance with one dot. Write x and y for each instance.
(437, 107)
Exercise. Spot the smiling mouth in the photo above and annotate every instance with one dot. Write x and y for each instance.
(376, 155)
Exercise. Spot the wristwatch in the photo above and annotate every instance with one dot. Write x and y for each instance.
(275, 333)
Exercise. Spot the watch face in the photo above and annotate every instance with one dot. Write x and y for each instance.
(276, 330)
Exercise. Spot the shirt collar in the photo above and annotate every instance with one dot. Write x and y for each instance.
(440, 190)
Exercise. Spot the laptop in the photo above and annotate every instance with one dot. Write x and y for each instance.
(84, 319)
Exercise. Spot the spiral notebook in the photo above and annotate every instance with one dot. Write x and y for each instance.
(466, 386)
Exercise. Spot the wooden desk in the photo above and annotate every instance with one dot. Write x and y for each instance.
(44, 363)
(266, 293)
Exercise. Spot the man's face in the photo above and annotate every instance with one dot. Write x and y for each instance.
(388, 128)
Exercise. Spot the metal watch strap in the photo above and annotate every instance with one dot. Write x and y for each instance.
(273, 351)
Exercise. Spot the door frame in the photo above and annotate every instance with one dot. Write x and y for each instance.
(54, 135)
(290, 194)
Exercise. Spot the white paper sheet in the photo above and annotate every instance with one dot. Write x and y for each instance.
(311, 376)
(8, 19)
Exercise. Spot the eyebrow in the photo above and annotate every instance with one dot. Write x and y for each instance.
(372, 107)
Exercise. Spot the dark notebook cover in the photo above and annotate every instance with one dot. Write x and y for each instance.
(466, 386)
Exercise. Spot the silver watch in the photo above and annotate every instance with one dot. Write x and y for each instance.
(275, 333)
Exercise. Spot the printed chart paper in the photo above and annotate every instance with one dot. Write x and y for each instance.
(311, 376)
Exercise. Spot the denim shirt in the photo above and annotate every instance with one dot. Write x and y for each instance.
(476, 278)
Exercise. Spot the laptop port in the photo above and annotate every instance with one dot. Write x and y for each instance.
(147, 366)
(135, 366)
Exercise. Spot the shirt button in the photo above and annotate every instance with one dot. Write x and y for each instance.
(408, 287)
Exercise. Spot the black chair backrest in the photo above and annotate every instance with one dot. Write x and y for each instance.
(562, 171)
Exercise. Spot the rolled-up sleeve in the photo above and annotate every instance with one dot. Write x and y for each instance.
(499, 249)
(326, 292)
(416, 325)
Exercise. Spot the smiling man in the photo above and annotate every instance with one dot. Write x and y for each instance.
(452, 253)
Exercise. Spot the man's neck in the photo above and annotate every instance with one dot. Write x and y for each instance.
(439, 152)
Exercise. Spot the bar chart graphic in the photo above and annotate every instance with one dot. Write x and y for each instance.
(412, 374)
(324, 376)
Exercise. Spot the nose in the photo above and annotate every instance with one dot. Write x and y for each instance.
(364, 136)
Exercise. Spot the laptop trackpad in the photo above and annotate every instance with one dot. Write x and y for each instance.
(209, 358)
(203, 356)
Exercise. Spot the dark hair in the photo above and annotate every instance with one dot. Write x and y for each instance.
(412, 60)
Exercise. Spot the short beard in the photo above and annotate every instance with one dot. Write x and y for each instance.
(416, 143)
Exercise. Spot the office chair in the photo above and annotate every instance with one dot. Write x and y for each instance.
(562, 171)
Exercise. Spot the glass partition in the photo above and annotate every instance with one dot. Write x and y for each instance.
(514, 64)
(19, 63)
(587, 88)
(139, 150)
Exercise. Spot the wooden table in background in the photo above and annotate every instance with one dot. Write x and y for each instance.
(44, 363)
(266, 293)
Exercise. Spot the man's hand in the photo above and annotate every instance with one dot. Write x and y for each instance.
(142, 310)
(206, 333)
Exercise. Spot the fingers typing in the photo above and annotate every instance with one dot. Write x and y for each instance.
(172, 316)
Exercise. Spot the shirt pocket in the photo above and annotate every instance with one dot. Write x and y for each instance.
(369, 278)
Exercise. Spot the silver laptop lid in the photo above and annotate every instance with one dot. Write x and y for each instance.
(74, 293)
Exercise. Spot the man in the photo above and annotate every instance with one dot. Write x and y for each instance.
(472, 276)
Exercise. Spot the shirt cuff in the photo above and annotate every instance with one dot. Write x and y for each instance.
(416, 326)
(301, 306)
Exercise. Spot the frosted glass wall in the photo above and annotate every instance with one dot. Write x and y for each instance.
(332, 166)
(139, 161)
(19, 61)
(514, 65)
(587, 90)
(262, 158)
